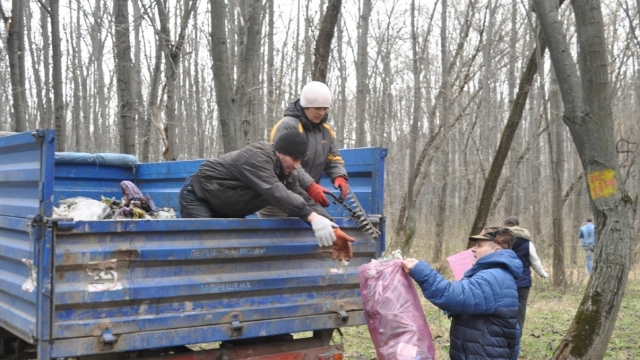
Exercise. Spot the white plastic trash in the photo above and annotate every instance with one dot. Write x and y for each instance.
(81, 209)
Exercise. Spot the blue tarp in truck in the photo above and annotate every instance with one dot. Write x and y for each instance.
(84, 288)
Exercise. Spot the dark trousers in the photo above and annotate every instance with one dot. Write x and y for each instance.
(523, 296)
(191, 206)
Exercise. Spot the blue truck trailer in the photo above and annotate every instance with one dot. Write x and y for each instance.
(137, 288)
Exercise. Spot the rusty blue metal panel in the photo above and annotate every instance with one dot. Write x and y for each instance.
(162, 181)
(141, 276)
(251, 329)
(26, 179)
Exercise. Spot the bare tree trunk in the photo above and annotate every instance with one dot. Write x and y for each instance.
(271, 96)
(536, 174)
(487, 75)
(576, 217)
(308, 24)
(587, 114)
(444, 162)
(15, 42)
(556, 154)
(342, 70)
(136, 89)
(123, 65)
(510, 195)
(362, 74)
(35, 68)
(58, 95)
(46, 61)
(222, 79)
(248, 67)
(87, 145)
(100, 117)
(410, 224)
(323, 43)
(84, 126)
(152, 119)
(201, 134)
(386, 103)
(76, 62)
(172, 52)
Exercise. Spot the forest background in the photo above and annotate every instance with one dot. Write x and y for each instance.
(435, 82)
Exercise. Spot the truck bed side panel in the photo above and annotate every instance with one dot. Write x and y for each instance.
(26, 187)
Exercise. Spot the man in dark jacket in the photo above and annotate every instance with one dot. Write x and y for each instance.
(526, 251)
(484, 304)
(242, 182)
(309, 115)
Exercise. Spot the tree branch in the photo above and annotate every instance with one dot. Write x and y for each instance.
(44, 6)
(560, 53)
(571, 187)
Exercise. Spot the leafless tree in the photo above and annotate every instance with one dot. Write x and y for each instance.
(587, 114)
(506, 139)
(123, 69)
(362, 73)
(14, 26)
(234, 99)
(444, 159)
(58, 95)
(323, 43)
(172, 51)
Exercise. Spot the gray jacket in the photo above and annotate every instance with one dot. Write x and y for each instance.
(242, 182)
(322, 151)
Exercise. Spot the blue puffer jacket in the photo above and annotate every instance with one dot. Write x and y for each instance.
(483, 305)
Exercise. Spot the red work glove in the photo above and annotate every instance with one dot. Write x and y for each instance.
(341, 246)
(317, 193)
(341, 183)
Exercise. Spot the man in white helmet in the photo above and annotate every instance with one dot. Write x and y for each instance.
(308, 115)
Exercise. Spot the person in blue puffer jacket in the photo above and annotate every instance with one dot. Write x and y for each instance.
(483, 305)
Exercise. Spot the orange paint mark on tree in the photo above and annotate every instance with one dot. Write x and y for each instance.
(602, 183)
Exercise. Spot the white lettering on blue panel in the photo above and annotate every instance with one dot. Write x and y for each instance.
(225, 287)
(227, 252)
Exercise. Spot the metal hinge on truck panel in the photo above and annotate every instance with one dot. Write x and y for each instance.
(343, 316)
(236, 325)
(107, 339)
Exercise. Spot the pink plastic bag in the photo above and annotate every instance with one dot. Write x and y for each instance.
(460, 263)
(393, 312)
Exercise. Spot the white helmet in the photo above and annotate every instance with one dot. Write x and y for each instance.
(315, 94)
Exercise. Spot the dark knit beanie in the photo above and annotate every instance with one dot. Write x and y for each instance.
(292, 143)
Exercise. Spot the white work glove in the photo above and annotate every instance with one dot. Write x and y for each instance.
(323, 228)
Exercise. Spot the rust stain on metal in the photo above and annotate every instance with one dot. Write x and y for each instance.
(99, 328)
(68, 258)
(127, 254)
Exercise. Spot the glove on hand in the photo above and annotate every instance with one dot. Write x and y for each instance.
(317, 193)
(341, 183)
(342, 247)
(323, 228)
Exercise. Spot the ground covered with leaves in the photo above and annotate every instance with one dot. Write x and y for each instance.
(549, 314)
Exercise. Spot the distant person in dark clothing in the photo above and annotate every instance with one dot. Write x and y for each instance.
(242, 182)
(483, 305)
(587, 238)
(526, 251)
